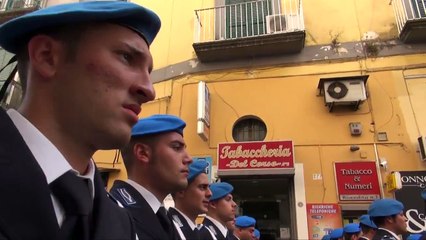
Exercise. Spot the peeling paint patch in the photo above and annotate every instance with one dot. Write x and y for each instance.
(342, 50)
(370, 35)
(326, 48)
(193, 63)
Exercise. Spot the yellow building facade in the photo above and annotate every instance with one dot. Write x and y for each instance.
(340, 39)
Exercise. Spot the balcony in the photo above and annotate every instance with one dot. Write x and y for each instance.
(411, 20)
(10, 9)
(248, 30)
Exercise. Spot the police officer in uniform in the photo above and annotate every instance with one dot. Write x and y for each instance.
(80, 95)
(192, 201)
(157, 165)
(221, 210)
(368, 228)
(351, 231)
(389, 217)
(336, 234)
(244, 228)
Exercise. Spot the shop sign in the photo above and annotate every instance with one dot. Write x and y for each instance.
(203, 111)
(357, 181)
(393, 181)
(322, 219)
(413, 183)
(256, 155)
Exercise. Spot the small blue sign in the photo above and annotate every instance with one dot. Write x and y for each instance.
(208, 159)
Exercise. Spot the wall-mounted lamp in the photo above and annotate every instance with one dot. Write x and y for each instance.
(383, 163)
(354, 148)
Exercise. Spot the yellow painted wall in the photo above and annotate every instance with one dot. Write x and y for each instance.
(325, 21)
(287, 100)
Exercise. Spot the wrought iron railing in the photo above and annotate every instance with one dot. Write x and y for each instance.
(408, 10)
(13, 5)
(248, 19)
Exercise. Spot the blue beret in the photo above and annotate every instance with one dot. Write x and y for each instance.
(366, 220)
(196, 168)
(336, 233)
(352, 228)
(325, 237)
(385, 207)
(140, 19)
(245, 222)
(414, 237)
(256, 233)
(159, 123)
(220, 190)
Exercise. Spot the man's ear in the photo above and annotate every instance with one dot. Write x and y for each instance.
(44, 54)
(142, 152)
(213, 204)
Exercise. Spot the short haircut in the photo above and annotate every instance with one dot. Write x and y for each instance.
(380, 221)
(348, 236)
(69, 35)
(365, 228)
(127, 151)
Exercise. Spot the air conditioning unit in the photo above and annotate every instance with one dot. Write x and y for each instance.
(343, 91)
(276, 23)
(17, 4)
(422, 147)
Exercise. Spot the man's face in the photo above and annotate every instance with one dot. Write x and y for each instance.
(169, 163)
(225, 208)
(245, 233)
(400, 223)
(100, 91)
(196, 196)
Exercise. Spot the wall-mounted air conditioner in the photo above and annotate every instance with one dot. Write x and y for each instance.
(17, 4)
(343, 91)
(281, 23)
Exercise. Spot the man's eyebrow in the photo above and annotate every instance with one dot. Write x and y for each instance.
(140, 54)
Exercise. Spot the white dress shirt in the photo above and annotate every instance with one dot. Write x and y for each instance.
(147, 195)
(48, 157)
(219, 225)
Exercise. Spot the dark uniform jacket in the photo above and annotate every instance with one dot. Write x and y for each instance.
(146, 222)
(184, 225)
(26, 208)
(206, 235)
(382, 234)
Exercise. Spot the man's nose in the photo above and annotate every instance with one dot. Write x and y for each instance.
(143, 90)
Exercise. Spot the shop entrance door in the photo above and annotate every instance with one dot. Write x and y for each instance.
(268, 199)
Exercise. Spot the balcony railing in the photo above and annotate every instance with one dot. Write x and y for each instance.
(410, 18)
(14, 8)
(249, 19)
(250, 29)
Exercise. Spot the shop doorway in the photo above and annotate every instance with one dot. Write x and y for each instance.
(268, 199)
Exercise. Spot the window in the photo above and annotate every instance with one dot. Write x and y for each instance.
(249, 128)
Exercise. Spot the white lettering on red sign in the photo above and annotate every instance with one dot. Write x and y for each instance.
(263, 152)
(254, 163)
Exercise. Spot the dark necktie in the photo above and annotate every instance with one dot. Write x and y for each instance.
(197, 233)
(74, 195)
(166, 222)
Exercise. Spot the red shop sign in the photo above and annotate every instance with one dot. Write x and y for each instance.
(256, 155)
(357, 181)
